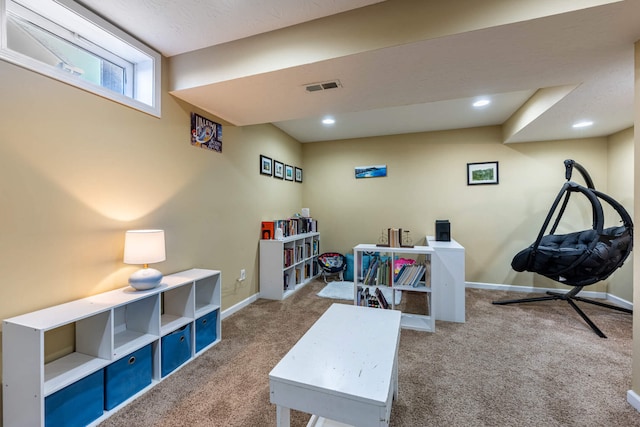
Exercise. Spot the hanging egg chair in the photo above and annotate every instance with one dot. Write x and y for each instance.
(579, 258)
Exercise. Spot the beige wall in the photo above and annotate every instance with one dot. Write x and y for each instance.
(620, 176)
(635, 380)
(77, 170)
(427, 181)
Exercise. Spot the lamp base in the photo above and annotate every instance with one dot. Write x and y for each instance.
(145, 278)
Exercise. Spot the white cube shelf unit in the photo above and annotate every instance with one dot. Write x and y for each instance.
(408, 320)
(288, 264)
(108, 327)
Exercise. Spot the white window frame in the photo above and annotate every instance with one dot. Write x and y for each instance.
(144, 89)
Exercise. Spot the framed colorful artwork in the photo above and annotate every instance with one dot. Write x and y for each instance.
(266, 165)
(278, 169)
(288, 173)
(482, 173)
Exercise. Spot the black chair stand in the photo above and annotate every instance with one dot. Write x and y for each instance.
(570, 297)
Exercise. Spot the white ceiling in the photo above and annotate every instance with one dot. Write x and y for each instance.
(422, 85)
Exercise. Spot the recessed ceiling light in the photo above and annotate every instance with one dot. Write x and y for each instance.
(481, 103)
(328, 121)
(583, 124)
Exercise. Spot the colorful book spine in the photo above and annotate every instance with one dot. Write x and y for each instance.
(289, 227)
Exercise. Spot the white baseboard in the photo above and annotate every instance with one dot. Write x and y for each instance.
(633, 399)
(239, 306)
(530, 289)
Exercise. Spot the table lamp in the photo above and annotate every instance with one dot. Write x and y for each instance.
(144, 247)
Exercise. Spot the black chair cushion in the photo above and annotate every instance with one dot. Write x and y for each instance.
(580, 258)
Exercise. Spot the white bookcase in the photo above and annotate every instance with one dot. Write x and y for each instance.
(446, 290)
(107, 327)
(288, 264)
(408, 320)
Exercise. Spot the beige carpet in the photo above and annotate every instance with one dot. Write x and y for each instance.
(519, 365)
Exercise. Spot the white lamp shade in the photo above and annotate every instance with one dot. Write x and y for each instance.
(144, 246)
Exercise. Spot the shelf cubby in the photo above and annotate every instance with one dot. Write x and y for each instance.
(178, 308)
(207, 299)
(135, 325)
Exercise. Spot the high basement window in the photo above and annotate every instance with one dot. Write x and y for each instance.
(62, 40)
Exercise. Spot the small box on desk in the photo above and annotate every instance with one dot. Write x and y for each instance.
(443, 230)
(176, 349)
(77, 404)
(206, 330)
(127, 376)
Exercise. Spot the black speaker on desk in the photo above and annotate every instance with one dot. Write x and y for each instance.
(443, 230)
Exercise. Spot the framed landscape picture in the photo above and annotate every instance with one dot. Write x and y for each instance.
(266, 165)
(288, 173)
(482, 173)
(278, 169)
(371, 171)
(298, 175)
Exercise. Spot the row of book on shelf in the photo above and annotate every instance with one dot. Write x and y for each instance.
(288, 227)
(414, 275)
(310, 269)
(380, 272)
(300, 252)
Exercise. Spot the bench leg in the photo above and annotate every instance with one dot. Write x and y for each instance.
(283, 416)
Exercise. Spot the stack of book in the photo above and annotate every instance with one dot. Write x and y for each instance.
(289, 227)
(395, 237)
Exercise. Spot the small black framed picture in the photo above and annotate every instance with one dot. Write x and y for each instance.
(278, 169)
(298, 174)
(483, 173)
(266, 165)
(288, 173)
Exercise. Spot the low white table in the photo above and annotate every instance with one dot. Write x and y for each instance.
(345, 368)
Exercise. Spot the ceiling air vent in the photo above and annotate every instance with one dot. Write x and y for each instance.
(316, 87)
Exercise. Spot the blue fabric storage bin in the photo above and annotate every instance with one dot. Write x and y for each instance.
(77, 404)
(127, 376)
(176, 349)
(206, 330)
(348, 273)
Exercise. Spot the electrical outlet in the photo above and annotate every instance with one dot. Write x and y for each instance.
(243, 274)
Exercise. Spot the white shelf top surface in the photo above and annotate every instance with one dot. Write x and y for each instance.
(369, 247)
(348, 352)
(52, 317)
(292, 238)
(452, 244)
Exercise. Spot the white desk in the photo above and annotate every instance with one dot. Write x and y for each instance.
(345, 368)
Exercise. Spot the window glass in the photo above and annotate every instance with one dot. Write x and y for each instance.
(63, 40)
